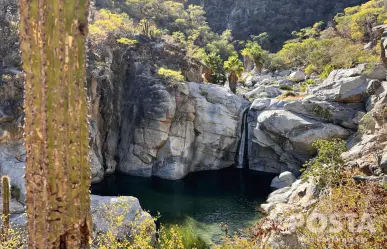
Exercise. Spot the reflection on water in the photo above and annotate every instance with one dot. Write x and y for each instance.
(202, 200)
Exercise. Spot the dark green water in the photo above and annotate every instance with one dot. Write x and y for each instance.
(202, 200)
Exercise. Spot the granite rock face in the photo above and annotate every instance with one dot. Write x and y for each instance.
(281, 140)
(191, 128)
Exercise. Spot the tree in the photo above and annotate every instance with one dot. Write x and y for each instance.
(234, 67)
(53, 35)
(223, 45)
(216, 72)
(255, 53)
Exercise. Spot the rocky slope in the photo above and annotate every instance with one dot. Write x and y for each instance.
(347, 99)
(281, 132)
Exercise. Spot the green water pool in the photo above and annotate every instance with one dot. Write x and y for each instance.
(202, 200)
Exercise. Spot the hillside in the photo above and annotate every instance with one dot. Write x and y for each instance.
(279, 18)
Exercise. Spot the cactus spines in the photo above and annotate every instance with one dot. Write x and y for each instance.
(6, 196)
(52, 42)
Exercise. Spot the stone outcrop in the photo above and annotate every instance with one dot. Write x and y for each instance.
(349, 85)
(345, 115)
(106, 209)
(281, 140)
(191, 128)
(264, 91)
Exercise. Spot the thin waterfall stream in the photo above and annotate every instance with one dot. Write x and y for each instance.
(243, 147)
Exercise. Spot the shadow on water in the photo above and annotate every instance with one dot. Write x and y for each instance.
(202, 200)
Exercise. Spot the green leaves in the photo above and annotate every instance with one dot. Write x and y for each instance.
(326, 168)
(234, 65)
(215, 64)
(254, 52)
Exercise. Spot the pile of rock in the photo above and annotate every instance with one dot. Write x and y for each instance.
(281, 132)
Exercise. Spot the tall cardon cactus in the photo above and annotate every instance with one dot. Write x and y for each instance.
(6, 198)
(52, 40)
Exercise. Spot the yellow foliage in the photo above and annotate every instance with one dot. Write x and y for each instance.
(115, 216)
(108, 23)
(127, 41)
(357, 22)
(171, 239)
(16, 239)
(172, 75)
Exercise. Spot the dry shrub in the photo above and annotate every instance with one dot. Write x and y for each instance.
(366, 203)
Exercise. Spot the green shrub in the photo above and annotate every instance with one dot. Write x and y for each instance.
(215, 64)
(310, 69)
(304, 86)
(177, 237)
(254, 52)
(286, 88)
(367, 124)
(115, 216)
(326, 168)
(327, 70)
(172, 77)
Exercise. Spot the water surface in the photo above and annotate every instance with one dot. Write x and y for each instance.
(202, 200)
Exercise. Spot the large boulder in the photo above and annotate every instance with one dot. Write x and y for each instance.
(346, 115)
(349, 85)
(272, 91)
(256, 79)
(297, 76)
(124, 213)
(296, 133)
(285, 179)
(281, 140)
(373, 71)
(106, 209)
(342, 89)
(265, 154)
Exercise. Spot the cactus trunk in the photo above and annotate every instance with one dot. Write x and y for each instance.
(233, 81)
(52, 40)
(6, 195)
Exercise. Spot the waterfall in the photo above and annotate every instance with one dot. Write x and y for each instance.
(243, 151)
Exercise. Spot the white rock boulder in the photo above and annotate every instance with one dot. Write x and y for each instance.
(297, 76)
(285, 179)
